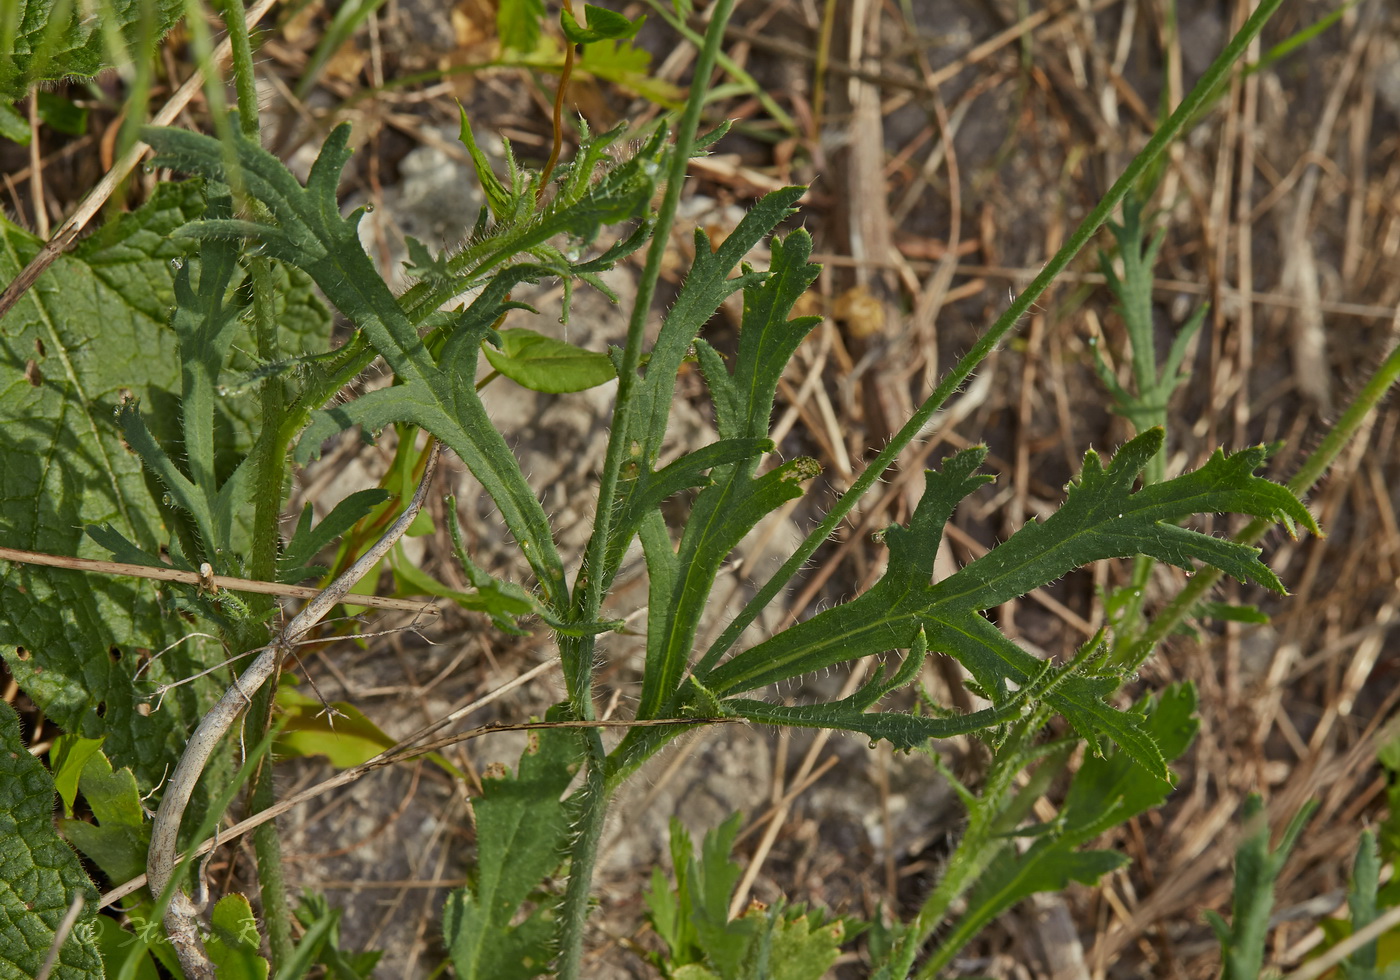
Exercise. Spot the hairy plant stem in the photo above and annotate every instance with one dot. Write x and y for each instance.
(1001, 809)
(593, 798)
(1356, 414)
(1150, 393)
(269, 460)
(587, 599)
(244, 80)
(181, 917)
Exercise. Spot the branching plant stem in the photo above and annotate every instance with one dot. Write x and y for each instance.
(270, 461)
(181, 917)
(587, 598)
(990, 340)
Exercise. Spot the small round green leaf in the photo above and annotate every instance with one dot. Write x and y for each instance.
(603, 25)
(545, 364)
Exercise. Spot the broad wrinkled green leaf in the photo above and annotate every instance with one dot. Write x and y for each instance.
(121, 946)
(1101, 518)
(521, 826)
(41, 874)
(36, 46)
(91, 332)
(547, 364)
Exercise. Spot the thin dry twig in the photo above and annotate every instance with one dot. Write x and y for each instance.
(167, 574)
(407, 749)
(341, 778)
(1382, 924)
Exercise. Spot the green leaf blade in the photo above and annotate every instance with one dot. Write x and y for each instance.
(46, 48)
(1102, 517)
(117, 842)
(768, 339)
(74, 641)
(521, 828)
(546, 364)
(705, 287)
(234, 940)
(293, 564)
(41, 873)
(518, 24)
(722, 515)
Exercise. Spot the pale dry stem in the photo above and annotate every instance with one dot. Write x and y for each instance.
(181, 916)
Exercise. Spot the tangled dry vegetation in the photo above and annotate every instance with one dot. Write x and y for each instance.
(949, 145)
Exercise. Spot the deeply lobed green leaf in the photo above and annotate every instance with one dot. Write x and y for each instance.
(521, 826)
(781, 943)
(1101, 518)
